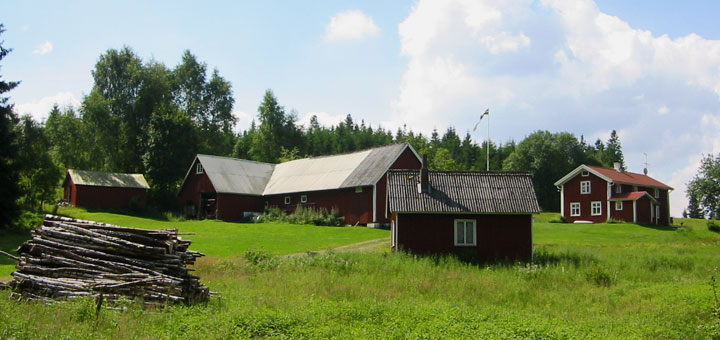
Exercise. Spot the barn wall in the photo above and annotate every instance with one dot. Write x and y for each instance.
(355, 207)
(407, 160)
(194, 185)
(105, 197)
(598, 192)
(69, 190)
(230, 207)
(499, 237)
(643, 210)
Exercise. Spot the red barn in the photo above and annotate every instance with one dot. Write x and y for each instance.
(95, 189)
(353, 183)
(597, 194)
(484, 214)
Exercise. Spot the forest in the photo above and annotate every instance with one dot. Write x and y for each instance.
(142, 116)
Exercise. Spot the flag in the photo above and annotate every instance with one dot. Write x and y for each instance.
(487, 112)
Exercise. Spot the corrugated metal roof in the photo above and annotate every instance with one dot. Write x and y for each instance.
(627, 177)
(108, 179)
(455, 191)
(360, 168)
(236, 176)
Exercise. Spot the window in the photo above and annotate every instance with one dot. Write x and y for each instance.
(358, 189)
(303, 199)
(596, 208)
(585, 174)
(575, 209)
(585, 187)
(618, 189)
(618, 205)
(657, 193)
(465, 233)
(287, 199)
(198, 168)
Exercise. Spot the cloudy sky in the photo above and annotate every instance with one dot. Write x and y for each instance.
(648, 69)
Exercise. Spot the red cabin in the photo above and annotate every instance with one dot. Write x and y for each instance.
(596, 194)
(484, 214)
(353, 183)
(108, 190)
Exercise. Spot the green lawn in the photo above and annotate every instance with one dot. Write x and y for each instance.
(602, 281)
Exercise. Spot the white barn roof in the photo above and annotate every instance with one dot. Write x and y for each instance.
(236, 176)
(107, 179)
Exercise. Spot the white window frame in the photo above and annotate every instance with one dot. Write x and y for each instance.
(657, 193)
(583, 187)
(287, 199)
(585, 173)
(303, 199)
(618, 205)
(593, 205)
(465, 225)
(618, 188)
(199, 168)
(358, 190)
(573, 206)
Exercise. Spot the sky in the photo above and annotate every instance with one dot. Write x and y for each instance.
(648, 69)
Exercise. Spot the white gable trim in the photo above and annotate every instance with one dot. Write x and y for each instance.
(577, 170)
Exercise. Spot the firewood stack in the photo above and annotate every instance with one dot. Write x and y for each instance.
(68, 258)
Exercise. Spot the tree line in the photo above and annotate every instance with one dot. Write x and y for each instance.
(142, 116)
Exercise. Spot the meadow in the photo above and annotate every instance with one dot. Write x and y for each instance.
(602, 281)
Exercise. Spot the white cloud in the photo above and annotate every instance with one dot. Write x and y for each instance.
(39, 109)
(44, 48)
(25, 27)
(350, 25)
(562, 65)
(244, 120)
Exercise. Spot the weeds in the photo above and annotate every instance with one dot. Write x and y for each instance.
(600, 276)
(303, 215)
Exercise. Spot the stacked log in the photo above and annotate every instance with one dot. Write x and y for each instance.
(70, 258)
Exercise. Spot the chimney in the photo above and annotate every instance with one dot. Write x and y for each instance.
(424, 186)
(618, 166)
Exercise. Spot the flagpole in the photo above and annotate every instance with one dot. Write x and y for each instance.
(488, 145)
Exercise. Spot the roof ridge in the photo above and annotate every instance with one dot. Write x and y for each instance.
(348, 152)
(234, 159)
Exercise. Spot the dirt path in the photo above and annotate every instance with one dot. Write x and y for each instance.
(359, 246)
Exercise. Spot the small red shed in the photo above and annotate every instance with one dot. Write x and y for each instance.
(109, 190)
(487, 214)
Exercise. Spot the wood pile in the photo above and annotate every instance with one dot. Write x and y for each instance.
(69, 258)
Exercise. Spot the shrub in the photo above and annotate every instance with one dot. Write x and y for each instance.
(613, 220)
(28, 220)
(136, 205)
(713, 225)
(560, 219)
(303, 215)
(600, 276)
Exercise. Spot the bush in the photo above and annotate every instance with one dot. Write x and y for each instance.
(614, 221)
(303, 215)
(600, 276)
(136, 205)
(560, 219)
(28, 220)
(713, 225)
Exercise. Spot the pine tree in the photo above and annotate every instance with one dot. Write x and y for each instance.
(9, 175)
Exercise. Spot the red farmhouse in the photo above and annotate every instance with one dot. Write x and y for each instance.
(596, 194)
(485, 214)
(94, 189)
(354, 183)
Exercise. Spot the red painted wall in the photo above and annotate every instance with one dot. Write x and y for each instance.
(643, 210)
(70, 192)
(105, 197)
(407, 160)
(193, 186)
(499, 237)
(231, 207)
(624, 215)
(598, 192)
(355, 207)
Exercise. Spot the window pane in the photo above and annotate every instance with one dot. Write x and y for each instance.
(460, 233)
(468, 233)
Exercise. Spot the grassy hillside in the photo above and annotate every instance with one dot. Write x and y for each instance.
(602, 281)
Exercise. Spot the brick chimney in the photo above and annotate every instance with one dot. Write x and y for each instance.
(424, 186)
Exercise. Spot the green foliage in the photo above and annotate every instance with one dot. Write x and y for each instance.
(28, 220)
(713, 225)
(559, 219)
(600, 276)
(9, 166)
(303, 215)
(39, 176)
(703, 191)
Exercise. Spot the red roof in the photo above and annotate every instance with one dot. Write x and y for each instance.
(631, 196)
(632, 178)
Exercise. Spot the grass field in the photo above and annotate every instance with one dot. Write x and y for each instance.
(601, 281)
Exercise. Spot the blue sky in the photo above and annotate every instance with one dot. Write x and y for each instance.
(649, 69)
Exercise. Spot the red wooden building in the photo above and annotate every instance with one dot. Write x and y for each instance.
(485, 214)
(354, 183)
(597, 194)
(95, 189)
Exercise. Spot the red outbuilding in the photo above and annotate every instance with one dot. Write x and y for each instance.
(95, 189)
(483, 214)
(596, 194)
(353, 183)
